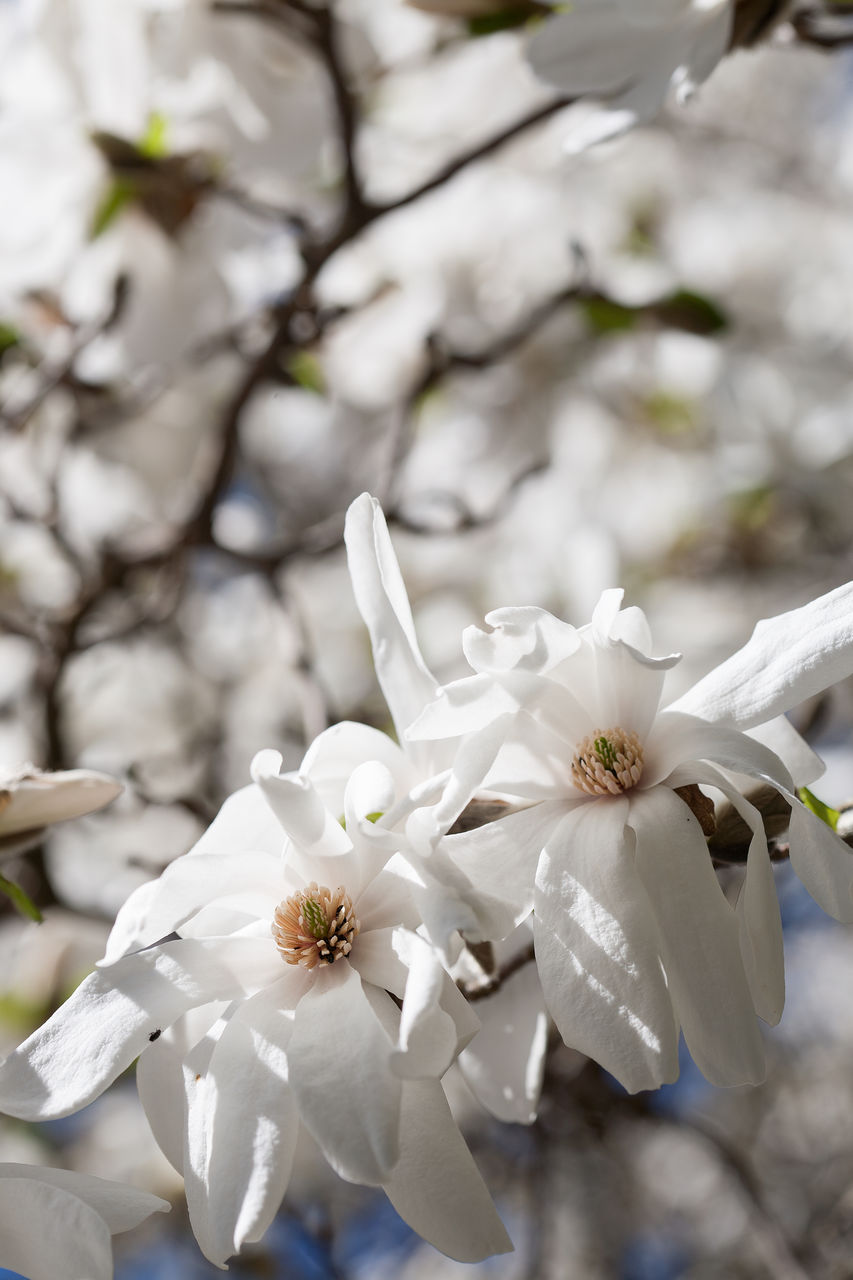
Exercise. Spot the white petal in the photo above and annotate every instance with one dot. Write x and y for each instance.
(463, 706)
(757, 907)
(341, 1077)
(161, 906)
(822, 861)
(242, 1123)
(108, 1020)
(788, 658)
(526, 639)
(299, 808)
(677, 738)
(160, 1078)
(381, 597)
(804, 765)
(578, 51)
(243, 822)
(699, 938)
(472, 762)
(339, 750)
(435, 1186)
(34, 799)
(501, 858)
(597, 949)
(505, 1062)
(120, 1206)
(46, 1232)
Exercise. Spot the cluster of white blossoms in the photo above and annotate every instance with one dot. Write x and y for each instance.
(307, 962)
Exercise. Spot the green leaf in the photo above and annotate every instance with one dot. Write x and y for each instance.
(819, 809)
(9, 337)
(504, 19)
(605, 316)
(307, 372)
(691, 312)
(120, 193)
(20, 900)
(153, 141)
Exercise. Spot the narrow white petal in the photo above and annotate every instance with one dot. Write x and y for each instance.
(804, 765)
(381, 597)
(505, 1062)
(436, 1020)
(245, 821)
(678, 738)
(788, 658)
(501, 858)
(577, 50)
(120, 1206)
(33, 799)
(46, 1232)
(160, 1078)
(700, 939)
(109, 1019)
(161, 906)
(333, 756)
(597, 949)
(757, 906)
(242, 1123)
(298, 807)
(340, 1073)
(435, 1186)
(525, 639)
(823, 862)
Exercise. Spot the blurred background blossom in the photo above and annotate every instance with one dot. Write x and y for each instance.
(258, 257)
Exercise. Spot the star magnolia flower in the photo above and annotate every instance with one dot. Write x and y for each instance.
(31, 800)
(633, 934)
(629, 55)
(505, 1063)
(271, 1007)
(57, 1223)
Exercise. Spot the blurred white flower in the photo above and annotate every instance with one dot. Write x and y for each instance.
(629, 55)
(634, 936)
(281, 1001)
(31, 800)
(54, 1222)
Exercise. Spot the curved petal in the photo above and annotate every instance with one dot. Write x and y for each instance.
(242, 1123)
(525, 639)
(46, 1232)
(577, 50)
(298, 807)
(474, 758)
(597, 949)
(380, 594)
(677, 738)
(757, 908)
(245, 821)
(340, 1073)
(32, 799)
(699, 939)
(160, 1078)
(787, 659)
(505, 1062)
(435, 1185)
(500, 858)
(111, 1016)
(339, 750)
(120, 1206)
(804, 765)
(822, 861)
(161, 906)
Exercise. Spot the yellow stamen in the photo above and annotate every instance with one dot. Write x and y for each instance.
(315, 926)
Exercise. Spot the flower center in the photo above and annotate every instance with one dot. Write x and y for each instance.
(608, 762)
(315, 926)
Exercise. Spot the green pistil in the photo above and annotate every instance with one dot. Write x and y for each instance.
(606, 753)
(315, 918)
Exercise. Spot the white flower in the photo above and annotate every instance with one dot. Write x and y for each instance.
(57, 1223)
(504, 1064)
(271, 1007)
(629, 55)
(31, 800)
(634, 936)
